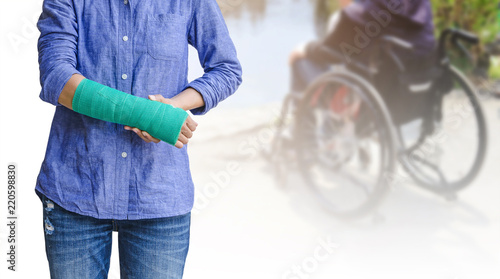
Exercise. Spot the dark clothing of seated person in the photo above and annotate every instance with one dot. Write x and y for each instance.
(354, 34)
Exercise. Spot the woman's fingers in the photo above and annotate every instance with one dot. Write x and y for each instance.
(149, 137)
(179, 144)
(139, 133)
(191, 124)
(182, 138)
(142, 134)
(186, 131)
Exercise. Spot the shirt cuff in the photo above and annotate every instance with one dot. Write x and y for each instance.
(206, 94)
(54, 84)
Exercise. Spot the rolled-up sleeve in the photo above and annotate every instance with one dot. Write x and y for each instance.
(57, 47)
(208, 33)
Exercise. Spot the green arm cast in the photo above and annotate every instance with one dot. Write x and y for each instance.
(160, 120)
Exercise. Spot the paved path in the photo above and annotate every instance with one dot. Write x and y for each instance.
(246, 226)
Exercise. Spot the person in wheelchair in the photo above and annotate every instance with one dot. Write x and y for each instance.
(347, 128)
(356, 31)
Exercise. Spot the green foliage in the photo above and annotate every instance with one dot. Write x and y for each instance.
(494, 71)
(477, 16)
(481, 17)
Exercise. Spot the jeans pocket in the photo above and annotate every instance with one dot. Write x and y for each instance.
(166, 36)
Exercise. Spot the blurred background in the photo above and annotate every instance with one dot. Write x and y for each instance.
(272, 203)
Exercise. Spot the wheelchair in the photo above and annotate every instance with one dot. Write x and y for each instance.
(357, 123)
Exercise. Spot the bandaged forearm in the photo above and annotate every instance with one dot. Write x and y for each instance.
(160, 120)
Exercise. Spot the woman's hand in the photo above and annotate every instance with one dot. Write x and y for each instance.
(187, 129)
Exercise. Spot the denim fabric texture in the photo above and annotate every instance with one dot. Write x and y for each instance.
(96, 168)
(79, 247)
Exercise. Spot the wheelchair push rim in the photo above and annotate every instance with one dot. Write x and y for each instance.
(462, 121)
(345, 143)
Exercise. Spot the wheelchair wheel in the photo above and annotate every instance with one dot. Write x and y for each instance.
(451, 157)
(345, 143)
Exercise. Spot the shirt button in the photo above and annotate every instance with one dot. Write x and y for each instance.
(125, 2)
(124, 154)
(124, 76)
(125, 38)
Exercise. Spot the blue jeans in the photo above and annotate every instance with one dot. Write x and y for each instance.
(79, 246)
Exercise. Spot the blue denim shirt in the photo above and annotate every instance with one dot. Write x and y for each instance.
(94, 167)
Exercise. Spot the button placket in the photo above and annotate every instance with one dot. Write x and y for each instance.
(125, 72)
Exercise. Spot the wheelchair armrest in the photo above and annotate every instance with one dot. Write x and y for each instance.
(397, 42)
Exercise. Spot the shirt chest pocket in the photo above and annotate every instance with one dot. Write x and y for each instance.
(166, 36)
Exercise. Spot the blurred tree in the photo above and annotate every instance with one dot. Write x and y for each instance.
(235, 8)
(322, 11)
(481, 17)
(477, 16)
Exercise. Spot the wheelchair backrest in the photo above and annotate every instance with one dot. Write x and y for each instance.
(410, 92)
